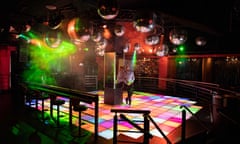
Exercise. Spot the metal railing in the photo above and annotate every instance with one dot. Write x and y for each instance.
(72, 94)
(146, 125)
(202, 92)
(208, 95)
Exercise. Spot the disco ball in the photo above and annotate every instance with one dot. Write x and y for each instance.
(126, 47)
(53, 38)
(178, 36)
(119, 30)
(201, 41)
(144, 21)
(102, 44)
(78, 30)
(152, 39)
(96, 36)
(162, 50)
(137, 46)
(108, 9)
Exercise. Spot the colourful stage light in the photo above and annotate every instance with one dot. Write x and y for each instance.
(182, 48)
(44, 59)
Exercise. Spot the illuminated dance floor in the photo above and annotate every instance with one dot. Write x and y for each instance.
(165, 111)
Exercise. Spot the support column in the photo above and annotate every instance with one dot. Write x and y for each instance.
(112, 95)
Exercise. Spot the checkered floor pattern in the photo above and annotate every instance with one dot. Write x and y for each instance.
(166, 112)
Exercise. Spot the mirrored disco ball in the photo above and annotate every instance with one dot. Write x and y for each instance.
(53, 38)
(178, 36)
(126, 47)
(152, 39)
(201, 41)
(108, 9)
(162, 51)
(102, 43)
(96, 36)
(119, 30)
(78, 30)
(144, 21)
(137, 46)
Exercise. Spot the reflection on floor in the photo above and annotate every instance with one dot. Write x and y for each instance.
(165, 111)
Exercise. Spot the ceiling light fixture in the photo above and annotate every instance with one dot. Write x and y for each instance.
(178, 36)
(108, 9)
(126, 47)
(201, 41)
(54, 17)
(119, 30)
(137, 46)
(152, 39)
(55, 20)
(162, 50)
(53, 38)
(100, 47)
(144, 21)
(96, 36)
(78, 30)
(51, 7)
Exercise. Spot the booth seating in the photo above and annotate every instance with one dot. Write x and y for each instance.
(58, 102)
(79, 108)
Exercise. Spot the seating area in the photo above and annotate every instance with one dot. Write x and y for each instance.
(77, 116)
(57, 102)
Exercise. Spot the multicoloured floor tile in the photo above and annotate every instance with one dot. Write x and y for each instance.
(165, 111)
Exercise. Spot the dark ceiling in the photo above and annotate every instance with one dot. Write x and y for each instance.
(212, 13)
(215, 17)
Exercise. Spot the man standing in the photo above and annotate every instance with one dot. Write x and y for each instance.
(129, 79)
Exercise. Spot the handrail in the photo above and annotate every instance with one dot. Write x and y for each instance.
(183, 133)
(195, 116)
(196, 84)
(161, 132)
(144, 130)
(146, 112)
(202, 92)
(69, 93)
